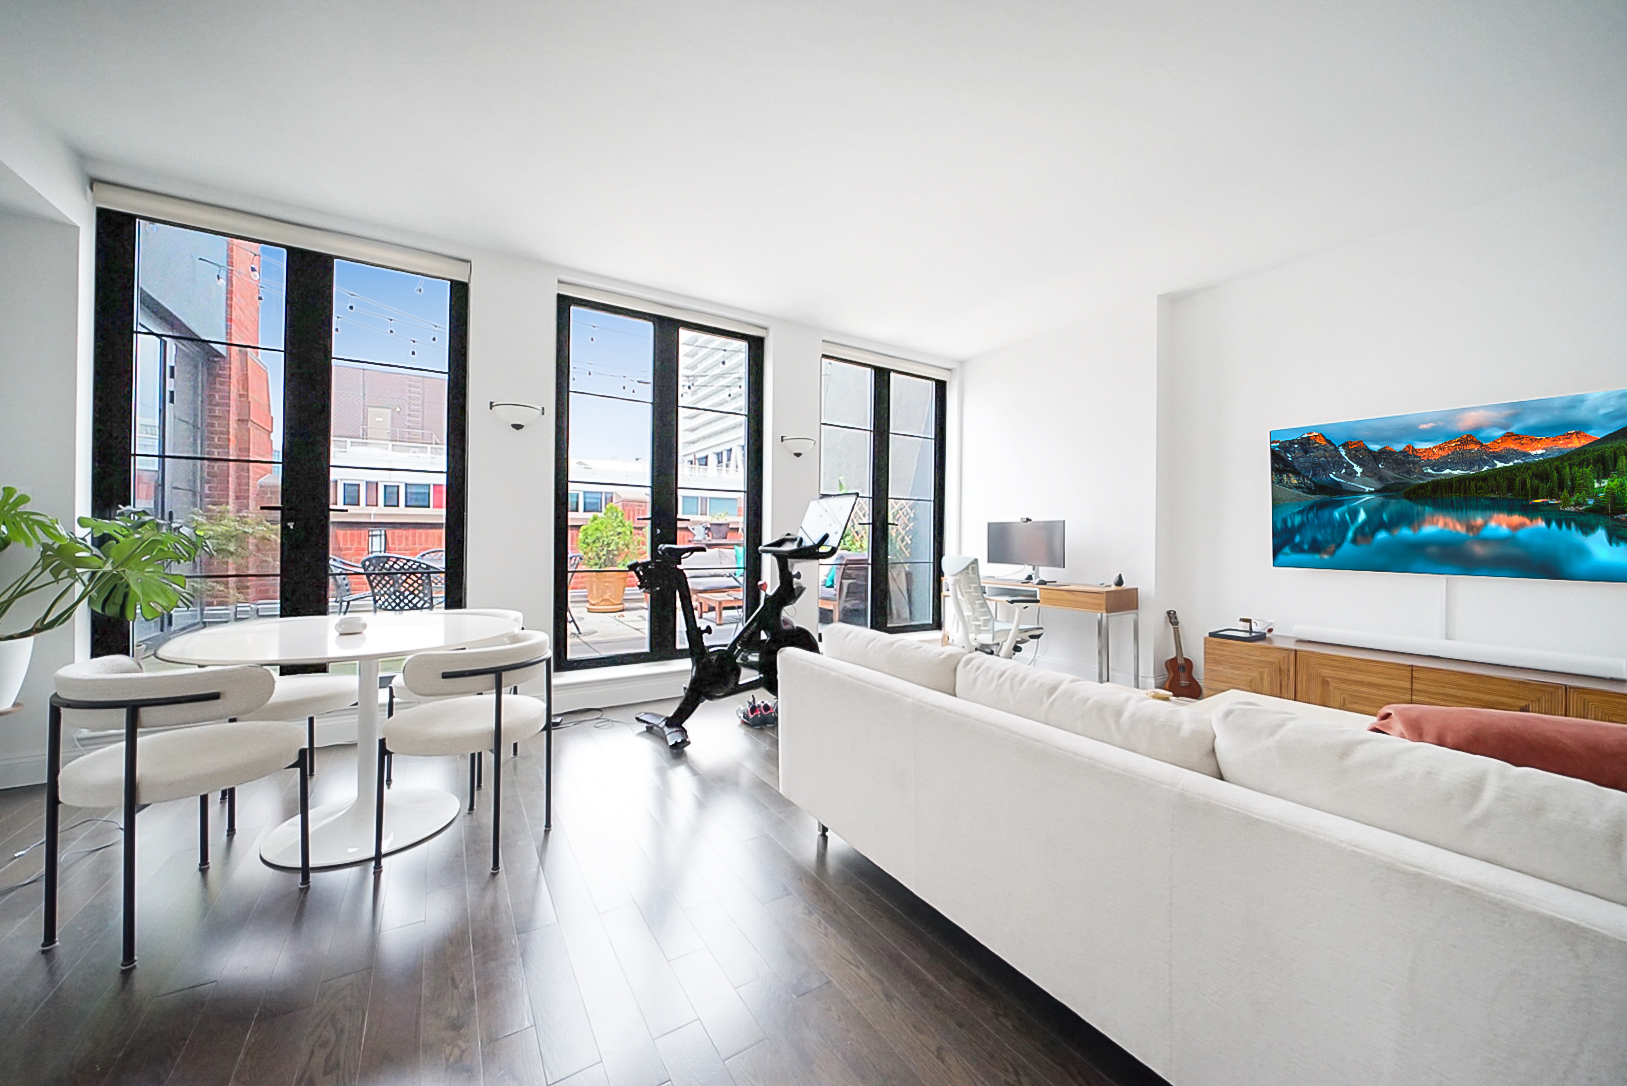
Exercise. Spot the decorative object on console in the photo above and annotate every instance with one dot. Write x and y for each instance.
(1249, 631)
(1178, 669)
(1499, 490)
(1588, 750)
(350, 624)
(517, 415)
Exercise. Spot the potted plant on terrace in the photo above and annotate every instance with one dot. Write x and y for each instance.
(606, 542)
(119, 567)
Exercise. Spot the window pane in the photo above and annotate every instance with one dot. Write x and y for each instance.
(200, 399)
(206, 286)
(912, 408)
(612, 355)
(909, 593)
(844, 461)
(910, 535)
(845, 394)
(216, 601)
(389, 418)
(609, 440)
(912, 465)
(392, 494)
(703, 439)
(351, 494)
(418, 495)
(717, 585)
(608, 615)
(711, 371)
(383, 315)
(223, 502)
(844, 588)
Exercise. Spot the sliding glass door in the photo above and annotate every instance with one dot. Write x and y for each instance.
(659, 442)
(882, 437)
(302, 413)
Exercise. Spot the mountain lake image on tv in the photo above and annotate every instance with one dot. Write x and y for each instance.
(1534, 488)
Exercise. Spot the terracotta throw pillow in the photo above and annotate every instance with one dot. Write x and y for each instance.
(1589, 750)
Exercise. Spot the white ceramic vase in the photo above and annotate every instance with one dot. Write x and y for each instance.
(14, 657)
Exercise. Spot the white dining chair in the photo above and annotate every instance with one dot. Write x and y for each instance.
(304, 698)
(470, 711)
(189, 757)
(400, 695)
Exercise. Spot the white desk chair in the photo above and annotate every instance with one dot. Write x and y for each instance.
(163, 765)
(459, 719)
(976, 628)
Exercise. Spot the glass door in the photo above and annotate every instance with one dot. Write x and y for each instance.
(882, 437)
(659, 442)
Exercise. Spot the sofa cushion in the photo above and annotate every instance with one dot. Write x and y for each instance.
(1556, 828)
(1119, 715)
(924, 664)
(1589, 750)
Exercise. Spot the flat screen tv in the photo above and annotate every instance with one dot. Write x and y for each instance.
(1534, 488)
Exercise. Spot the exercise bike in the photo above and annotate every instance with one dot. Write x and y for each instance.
(717, 672)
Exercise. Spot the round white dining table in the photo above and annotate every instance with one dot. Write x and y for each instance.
(342, 833)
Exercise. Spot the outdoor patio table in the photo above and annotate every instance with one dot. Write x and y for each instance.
(342, 833)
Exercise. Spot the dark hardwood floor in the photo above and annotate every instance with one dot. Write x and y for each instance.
(682, 922)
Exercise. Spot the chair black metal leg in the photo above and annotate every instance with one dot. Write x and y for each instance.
(548, 745)
(472, 783)
(389, 770)
(203, 832)
(53, 804)
(497, 782)
(480, 769)
(304, 822)
(231, 811)
(131, 717)
(389, 700)
(378, 811)
(310, 746)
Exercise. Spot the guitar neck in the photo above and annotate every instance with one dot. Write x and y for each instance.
(1179, 655)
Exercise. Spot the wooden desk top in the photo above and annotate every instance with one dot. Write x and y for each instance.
(1098, 599)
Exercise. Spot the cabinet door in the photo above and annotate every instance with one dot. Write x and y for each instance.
(1255, 666)
(1439, 686)
(1598, 705)
(1350, 682)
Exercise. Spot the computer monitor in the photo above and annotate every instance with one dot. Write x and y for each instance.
(1030, 543)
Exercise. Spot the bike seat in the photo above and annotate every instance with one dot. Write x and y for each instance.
(677, 552)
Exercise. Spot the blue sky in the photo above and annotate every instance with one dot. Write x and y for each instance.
(1596, 413)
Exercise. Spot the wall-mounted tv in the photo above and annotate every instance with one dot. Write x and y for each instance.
(1534, 488)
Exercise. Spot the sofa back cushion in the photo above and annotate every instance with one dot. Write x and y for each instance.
(1119, 715)
(1555, 828)
(1589, 750)
(919, 662)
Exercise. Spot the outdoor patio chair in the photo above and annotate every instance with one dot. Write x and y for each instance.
(344, 591)
(399, 583)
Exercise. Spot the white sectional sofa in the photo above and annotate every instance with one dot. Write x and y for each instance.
(1359, 910)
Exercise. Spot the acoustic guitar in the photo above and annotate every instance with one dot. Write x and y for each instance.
(1178, 668)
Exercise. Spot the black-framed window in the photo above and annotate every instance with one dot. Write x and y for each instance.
(882, 436)
(659, 441)
(219, 402)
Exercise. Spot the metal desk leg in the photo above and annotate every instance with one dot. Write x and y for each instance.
(1135, 637)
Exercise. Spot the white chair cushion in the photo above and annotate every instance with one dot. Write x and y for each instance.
(1119, 715)
(931, 666)
(183, 762)
(461, 725)
(1557, 828)
(298, 697)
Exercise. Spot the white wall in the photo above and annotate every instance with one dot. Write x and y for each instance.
(1521, 298)
(1061, 428)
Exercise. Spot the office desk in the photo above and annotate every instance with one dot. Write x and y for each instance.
(1103, 601)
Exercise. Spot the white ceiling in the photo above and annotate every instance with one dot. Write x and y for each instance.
(949, 177)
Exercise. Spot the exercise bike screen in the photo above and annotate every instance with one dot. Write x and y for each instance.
(826, 519)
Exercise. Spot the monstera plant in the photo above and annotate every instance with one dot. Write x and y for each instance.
(119, 566)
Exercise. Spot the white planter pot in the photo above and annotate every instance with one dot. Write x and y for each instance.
(14, 657)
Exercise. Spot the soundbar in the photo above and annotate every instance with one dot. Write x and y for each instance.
(1604, 667)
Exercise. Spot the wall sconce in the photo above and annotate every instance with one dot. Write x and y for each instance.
(517, 415)
(797, 445)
